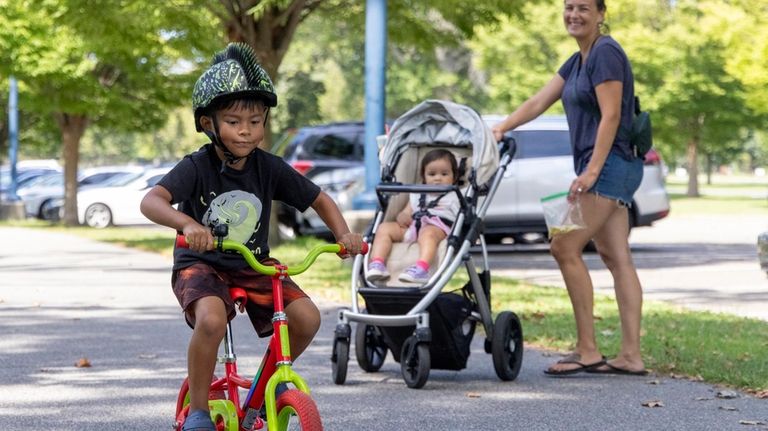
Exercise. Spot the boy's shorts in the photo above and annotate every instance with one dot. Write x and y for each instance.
(201, 280)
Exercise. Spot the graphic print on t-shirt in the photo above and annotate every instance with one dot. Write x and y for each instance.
(239, 210)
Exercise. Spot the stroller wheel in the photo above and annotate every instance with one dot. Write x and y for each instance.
(414, 362)
(507, 345)
(339, 360)
(370, 349)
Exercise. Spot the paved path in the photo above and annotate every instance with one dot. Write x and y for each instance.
(63, 298)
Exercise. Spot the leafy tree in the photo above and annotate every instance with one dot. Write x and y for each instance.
(681, 56)
(89, 62)
(699, 106)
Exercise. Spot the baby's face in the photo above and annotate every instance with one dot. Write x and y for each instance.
(439, 173)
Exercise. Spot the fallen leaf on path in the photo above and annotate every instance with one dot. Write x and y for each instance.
(473, 395)
(83, 363)
(654, 382)
(654, 403)
(703, 399)
(762, 394)
(745, 422)
(727, 395)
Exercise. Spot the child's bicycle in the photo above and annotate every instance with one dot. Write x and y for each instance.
(293, 408)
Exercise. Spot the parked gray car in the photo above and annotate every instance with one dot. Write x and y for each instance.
(542, 166)
(332, 156)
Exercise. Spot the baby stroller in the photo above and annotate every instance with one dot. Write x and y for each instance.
(424, 325)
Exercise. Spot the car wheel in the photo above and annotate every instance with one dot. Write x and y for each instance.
(49, 211)
(98, 216)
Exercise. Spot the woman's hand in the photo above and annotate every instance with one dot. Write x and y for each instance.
(498, 133)
(581, 184)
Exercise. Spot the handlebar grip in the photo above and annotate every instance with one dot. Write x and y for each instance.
(181, 241)
(343, 250)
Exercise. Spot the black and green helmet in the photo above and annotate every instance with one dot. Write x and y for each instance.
(234, 73)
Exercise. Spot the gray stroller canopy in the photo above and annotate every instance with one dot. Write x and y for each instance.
(442, 123)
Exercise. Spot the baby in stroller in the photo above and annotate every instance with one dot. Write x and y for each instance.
(427, 220)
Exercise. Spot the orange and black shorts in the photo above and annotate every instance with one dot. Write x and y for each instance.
(201, 280)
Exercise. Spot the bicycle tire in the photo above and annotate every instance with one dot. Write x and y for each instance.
(296, 410)
(182, 400)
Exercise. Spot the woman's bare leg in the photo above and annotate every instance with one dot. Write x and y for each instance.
(567, 250)
(612, 243)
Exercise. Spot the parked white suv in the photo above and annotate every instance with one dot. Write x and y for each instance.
(543, 165)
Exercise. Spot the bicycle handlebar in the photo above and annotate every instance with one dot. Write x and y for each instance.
(247, 254)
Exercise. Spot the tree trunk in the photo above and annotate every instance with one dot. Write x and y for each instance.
(693, 167)
(270, 36)
(72, 127)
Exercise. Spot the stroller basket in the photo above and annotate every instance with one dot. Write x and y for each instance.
(449, 322)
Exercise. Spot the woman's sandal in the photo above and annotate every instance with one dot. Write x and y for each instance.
(574, 358)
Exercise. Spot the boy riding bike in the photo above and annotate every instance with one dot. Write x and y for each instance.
(231, 181)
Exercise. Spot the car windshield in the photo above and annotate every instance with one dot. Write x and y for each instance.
(541, 143)
(331, 146)
(120, 179)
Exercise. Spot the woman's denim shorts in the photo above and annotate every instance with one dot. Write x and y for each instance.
(619, 179)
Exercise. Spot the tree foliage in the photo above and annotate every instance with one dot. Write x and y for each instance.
(701, 96)
(89, 62)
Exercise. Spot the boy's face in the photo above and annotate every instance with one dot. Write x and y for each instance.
(241, 128)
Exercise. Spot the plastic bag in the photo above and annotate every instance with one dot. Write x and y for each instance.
(561, 216)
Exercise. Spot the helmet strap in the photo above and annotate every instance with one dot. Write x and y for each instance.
(215, 137)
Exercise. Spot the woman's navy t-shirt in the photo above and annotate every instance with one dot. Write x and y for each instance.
(606, 62)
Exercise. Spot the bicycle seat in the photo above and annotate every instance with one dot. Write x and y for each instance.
(238, 295)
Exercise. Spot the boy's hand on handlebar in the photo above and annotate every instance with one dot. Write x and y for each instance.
(353, 244)
(198, 237)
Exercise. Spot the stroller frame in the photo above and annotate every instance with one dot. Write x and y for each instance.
(375, 333)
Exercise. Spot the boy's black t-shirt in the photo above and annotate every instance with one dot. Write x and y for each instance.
(240, 199)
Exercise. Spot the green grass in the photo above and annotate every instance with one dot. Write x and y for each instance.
(717, 348)
(747, 195)
(717, 205)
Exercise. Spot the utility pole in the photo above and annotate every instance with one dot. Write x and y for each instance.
(375, 81)
(12, 207)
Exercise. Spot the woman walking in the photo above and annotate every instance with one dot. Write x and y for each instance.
(596, 87)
